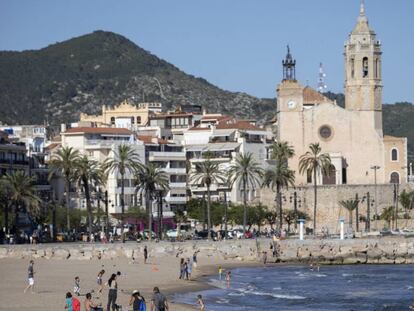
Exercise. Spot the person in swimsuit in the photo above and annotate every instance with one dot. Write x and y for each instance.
(99, 280)
(200, 302)
(30, 277)
(90, 305)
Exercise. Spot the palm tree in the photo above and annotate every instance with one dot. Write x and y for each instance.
(277, 177)
(281, 152)
(149, 178)
(4, 202)
(21, 192)
(207, 173)
(407, 201)
(245, 171)
(63, 162)
(125, 161)
(388, 215)
(312, 162)
(350, 206)
(87, 173)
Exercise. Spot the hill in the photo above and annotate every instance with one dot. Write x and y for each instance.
(81, 74)
(58, 82)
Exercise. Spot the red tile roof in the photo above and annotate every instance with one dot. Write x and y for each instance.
(99, 130)
(310, 96)
(147, 139)
(238, 125)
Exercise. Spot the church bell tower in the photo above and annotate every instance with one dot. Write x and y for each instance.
(363, 81)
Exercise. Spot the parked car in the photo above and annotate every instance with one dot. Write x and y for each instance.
(145, 234)
(173, 234)
(237, 233)
(203, 234)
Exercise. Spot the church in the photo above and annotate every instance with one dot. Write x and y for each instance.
(352, 136)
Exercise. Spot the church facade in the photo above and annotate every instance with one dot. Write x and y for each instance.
(353, 135)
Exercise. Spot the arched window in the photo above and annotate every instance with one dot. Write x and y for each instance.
(365, 67)
(138, 120)
(132, 120)
(395, 178)
(112, 120)
(376, 68)
(394, 154)
(352, 68)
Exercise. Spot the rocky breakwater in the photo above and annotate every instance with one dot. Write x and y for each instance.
(235, 250)
(379, 250)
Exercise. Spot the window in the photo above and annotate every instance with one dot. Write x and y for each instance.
(365, 67)
(325, 132)
(376, 68)
(112, 120)
(132, 120)
(352, 68)
(138, 120)
(309, 176)
(395, 178)
(394, 154)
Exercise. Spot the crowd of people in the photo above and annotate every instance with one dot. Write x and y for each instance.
(137, 301)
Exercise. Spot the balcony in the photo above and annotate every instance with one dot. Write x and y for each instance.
(182, 200)
(170, 170)
(179, 185)
(101, 143)
(166, 156)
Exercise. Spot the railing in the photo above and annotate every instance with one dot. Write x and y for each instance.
(170, 170)
(176, 199)
(103, 142)
(178, 184)
(166, 155)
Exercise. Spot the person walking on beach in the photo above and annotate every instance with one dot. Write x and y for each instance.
(181, 269)
(195, 259)
(228, 278)
(145, 254)
(137, 302)
(99, 280)
(200, 302)
(158, 301)
(30, 277)
(264, 258)
(189, 269)
(76, 288)
(90, 305)
(220, 272)
(113, 293)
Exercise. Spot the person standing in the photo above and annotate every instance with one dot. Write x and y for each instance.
(137, 301)
(99, 280)
(189, 269)
(145, 254)
(181, 269)
(228, 278)
(112, 293)
(159, 301)
(220, 272)
(30, 277)
(195, 259)
(76, 287)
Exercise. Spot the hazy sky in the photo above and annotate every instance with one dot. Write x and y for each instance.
(236, 44)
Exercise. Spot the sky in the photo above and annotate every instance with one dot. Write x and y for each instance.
(237, 45)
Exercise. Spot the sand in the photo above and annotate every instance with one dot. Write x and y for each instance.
(56, 277)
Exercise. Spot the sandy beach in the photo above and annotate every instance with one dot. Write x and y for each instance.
(56, 277)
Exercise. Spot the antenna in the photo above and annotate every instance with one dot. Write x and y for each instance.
(321, 79)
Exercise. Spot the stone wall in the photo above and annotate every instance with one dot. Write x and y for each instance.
(328, 209)
(374, 250)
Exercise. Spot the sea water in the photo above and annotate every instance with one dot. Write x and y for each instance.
(356, 287)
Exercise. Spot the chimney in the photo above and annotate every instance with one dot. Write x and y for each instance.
(63, 128)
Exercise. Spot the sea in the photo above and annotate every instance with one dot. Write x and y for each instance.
(353, 287)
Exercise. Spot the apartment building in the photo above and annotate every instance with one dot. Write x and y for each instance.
(100, 143)
(221, 138)
(12, 155)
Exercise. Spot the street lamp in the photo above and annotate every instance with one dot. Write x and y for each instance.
(375, 168)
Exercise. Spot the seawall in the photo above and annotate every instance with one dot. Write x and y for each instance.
(378, 250)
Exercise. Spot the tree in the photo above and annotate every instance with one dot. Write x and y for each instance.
(4, 203)
(407, 201)
(87, 173)
(245, 171)
(350, 206)
(277, 177)
(63, 163)
(125, 160)
(291, 216)
(207, 173)
(388, 215)
(20, 192)
(149, 179)
(312, 162)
